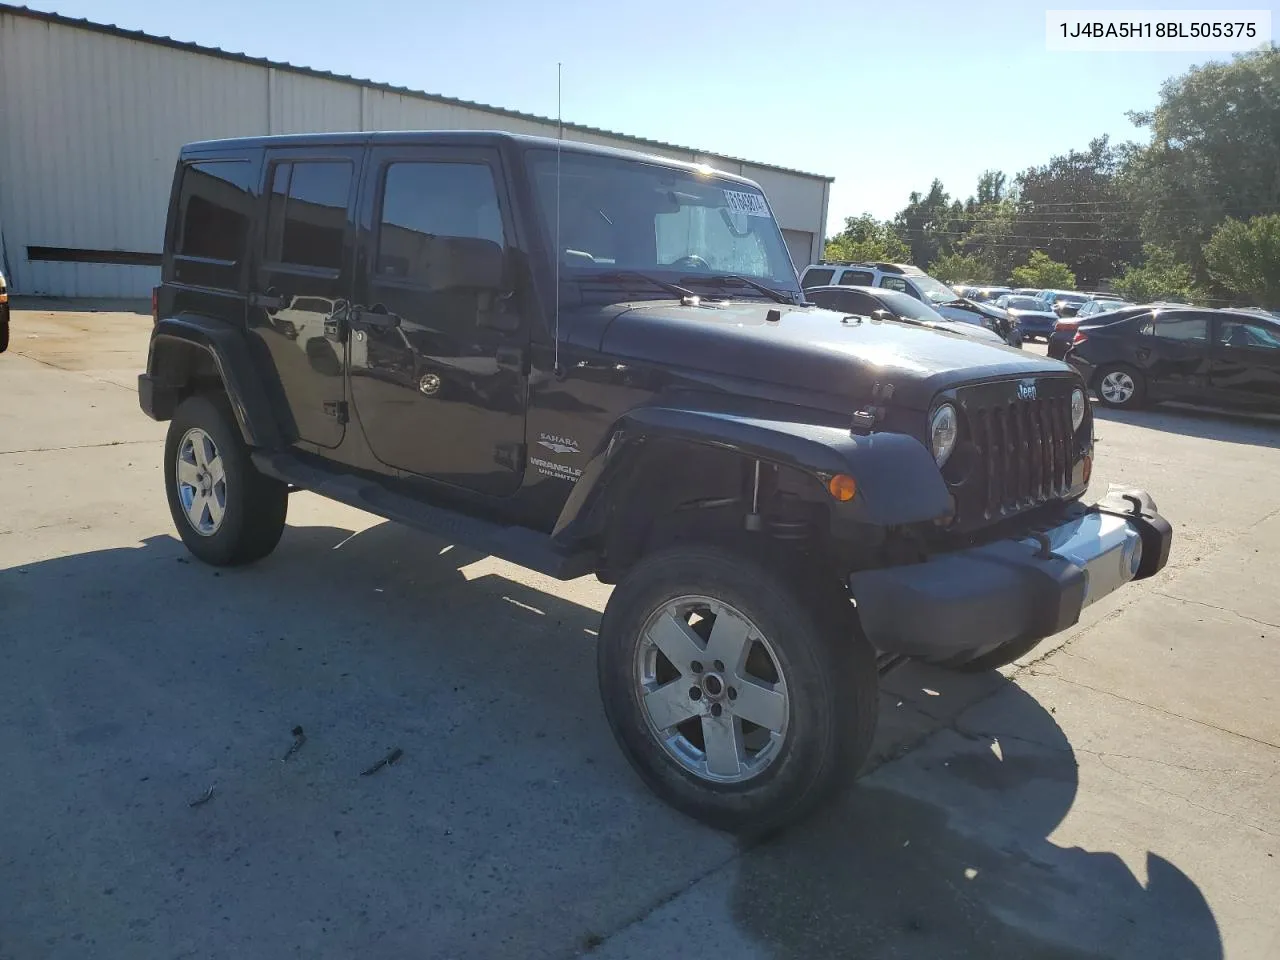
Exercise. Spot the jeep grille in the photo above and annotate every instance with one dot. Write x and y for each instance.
(1024, 450)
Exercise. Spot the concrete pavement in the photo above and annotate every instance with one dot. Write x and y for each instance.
(1113, 795)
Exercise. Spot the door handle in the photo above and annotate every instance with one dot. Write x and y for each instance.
(270, 300)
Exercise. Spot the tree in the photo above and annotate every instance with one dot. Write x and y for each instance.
(1073, 208)
(865, 238)
(930, 223)
(1042, 272)
(1162, 276)
(961, 268)
(1214, 153)
(1245, 258)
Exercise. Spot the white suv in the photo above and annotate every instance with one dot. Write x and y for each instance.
(914, 282)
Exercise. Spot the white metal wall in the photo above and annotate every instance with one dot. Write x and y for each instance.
(91, 124)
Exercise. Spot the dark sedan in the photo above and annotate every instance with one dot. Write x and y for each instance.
(1033, 316)
(1214, 357)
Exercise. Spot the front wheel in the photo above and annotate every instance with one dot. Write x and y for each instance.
(738, 698)
(1120, 387)
(226, 512)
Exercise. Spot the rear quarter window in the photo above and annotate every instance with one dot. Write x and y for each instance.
(215, 209)
(818, 278)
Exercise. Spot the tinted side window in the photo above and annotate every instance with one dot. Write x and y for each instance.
(894, 283)
(1183, 328)
(426, 205)
(215, 206)
(307, 216)
(818, 278)
(1236, 333)
(829, 299)
(857, 278)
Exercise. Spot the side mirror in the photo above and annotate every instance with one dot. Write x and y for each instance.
(883, 314)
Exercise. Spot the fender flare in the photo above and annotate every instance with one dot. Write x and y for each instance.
(898, 481)
(163, 385)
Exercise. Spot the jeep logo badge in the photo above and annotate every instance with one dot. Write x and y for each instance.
(1027, 390)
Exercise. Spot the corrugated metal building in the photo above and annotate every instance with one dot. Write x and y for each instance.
(92, 116)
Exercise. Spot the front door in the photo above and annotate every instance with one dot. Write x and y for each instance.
(437, 367)
(303, 280)
(1246, 363)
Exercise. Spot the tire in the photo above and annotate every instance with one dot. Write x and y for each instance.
(1122, 397)
(241, 512)
(805, 645)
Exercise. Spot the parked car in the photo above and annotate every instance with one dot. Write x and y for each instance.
(672, 416)
(1099, 305)
(1214, 357)
(1031, 314)
(1027, 291)
(987, 294)
(893, 305)
(914, 282)
(4, 314)
(1064, 331)
(1064, 303)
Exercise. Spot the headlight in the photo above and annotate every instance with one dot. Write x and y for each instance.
(1077, 408)
(944, 426)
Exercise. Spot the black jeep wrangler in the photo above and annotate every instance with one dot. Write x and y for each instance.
(583, 361)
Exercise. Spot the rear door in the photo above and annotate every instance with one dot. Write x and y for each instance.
(1246, 362)
(302, 283)
(438, 368)
(1173, 351)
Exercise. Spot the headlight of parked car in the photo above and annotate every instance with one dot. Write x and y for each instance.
(1077, 408)
(943, 429)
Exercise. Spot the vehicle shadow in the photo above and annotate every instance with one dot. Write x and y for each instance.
(1260, 430)
(138, 680)
(946, 854)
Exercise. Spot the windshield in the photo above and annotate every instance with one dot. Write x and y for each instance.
(932, 290)
(905, 305)
(617, 214)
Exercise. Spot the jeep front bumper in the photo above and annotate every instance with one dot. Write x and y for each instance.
(1018, 589)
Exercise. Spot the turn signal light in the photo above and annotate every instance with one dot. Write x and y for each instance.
(842, 487)
(1078, 338)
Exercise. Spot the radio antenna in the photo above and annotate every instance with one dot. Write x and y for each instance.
(559, 139)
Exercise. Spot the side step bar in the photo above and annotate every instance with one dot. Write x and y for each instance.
(518, 545)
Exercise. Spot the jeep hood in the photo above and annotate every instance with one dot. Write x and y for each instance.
(813, 349)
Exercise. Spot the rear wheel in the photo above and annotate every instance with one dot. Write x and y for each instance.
(226, 512)
(739, 698)
(1120, 387)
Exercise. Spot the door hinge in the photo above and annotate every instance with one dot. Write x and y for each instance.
(511, 455)
(337, 409)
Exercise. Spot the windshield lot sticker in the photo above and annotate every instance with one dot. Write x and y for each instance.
(751, 204)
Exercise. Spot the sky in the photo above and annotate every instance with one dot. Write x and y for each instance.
(883, 97)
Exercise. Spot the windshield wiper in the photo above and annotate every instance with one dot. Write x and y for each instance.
(620, 276)
(721, 278)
